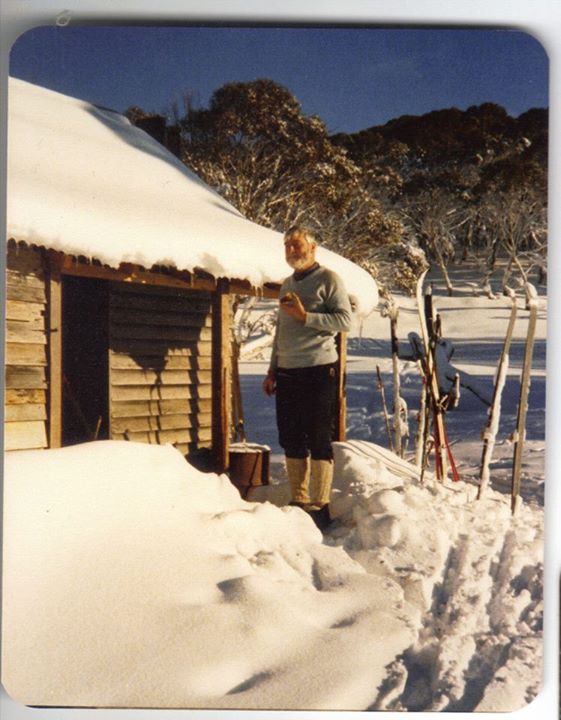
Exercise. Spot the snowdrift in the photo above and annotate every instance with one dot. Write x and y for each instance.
(133, 580)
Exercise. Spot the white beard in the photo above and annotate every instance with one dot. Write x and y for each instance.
(299, 263)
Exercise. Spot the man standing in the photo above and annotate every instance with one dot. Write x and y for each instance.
(314, 307)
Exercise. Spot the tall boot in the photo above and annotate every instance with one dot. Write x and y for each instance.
(321, 480)
(298, 470)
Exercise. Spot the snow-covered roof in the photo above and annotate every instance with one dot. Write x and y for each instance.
(85, 181)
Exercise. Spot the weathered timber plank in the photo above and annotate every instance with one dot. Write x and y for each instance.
(341, 418)
(25, 378)
(133, 316)
(26, 293)
(172, 333)
(119, 361)
(55, 327)
(18, 332)
(187, 449)
(25, 435)
(221, 377)
(16, 279)
(26, 260)
(18, 413)
(19, 396)
(160, 349)
(164, 392)
(124, 288)
(22, 354)
(183, 303)
(161, 437)
(163, 377)
(147, 408)
(24, 311)
(165, 422)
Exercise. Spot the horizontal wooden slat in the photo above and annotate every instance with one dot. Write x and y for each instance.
(16, 279)
(161, 349)
(19, 332)
(25, 311)
(24, 435)
(148, 332)
(124, 288)
(19, 396)
(17, 413)
(194, 448)
(165, 422)
(120, 361)
(130, 316)
(25, 377)
(25, 354)
(165, 436)
(147, 408)
(164, 377)
(165, 392)
(26, 260)
(183, 303)
(26, 293)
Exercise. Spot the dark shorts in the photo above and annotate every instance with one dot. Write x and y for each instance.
(306, 410)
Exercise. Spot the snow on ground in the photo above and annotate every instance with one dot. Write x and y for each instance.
(480, 597)
(144, 583)
(138, 581)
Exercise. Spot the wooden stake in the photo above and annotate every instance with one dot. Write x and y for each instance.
(385, 408)
(492, 426)
(523, 403)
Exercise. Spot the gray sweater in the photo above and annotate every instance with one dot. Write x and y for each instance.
(328, 312)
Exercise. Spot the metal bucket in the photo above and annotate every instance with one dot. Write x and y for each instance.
(249, 466)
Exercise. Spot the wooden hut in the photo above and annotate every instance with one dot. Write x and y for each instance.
(97, 346)
(94, 352)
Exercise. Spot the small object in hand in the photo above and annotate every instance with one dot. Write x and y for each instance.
(288, 299)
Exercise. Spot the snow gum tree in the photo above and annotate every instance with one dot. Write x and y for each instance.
(256, 147)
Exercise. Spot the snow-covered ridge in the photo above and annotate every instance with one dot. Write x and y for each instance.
(83, 180)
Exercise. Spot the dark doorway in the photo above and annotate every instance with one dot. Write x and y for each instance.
(85, 360)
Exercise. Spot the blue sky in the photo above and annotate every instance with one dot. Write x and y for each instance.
(352, 78)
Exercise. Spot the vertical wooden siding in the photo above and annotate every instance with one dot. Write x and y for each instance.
(221, 376)
(160, 365)
(26, 350)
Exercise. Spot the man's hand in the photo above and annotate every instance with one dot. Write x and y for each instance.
(292, 305)
(269, 384)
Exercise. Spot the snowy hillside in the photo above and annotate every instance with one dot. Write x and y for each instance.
(137, 581)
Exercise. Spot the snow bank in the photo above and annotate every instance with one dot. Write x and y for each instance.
(472, 573)
(83, 180)
(132, 579)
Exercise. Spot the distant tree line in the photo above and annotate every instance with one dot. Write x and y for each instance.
(443, 187)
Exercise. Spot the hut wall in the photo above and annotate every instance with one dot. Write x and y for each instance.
(160, 365)
(26, 350)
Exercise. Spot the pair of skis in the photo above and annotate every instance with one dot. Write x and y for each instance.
(435, 403)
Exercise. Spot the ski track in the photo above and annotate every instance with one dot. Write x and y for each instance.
(468, 635)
